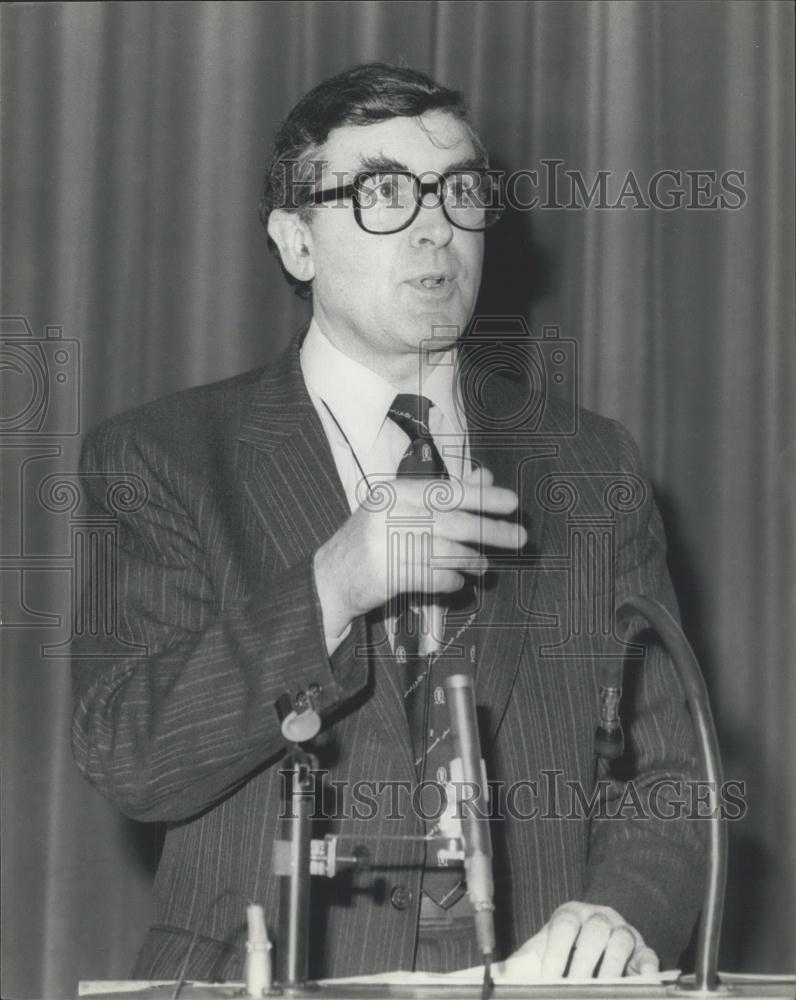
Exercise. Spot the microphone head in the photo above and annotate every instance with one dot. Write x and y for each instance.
(609, 743)
(609, 740)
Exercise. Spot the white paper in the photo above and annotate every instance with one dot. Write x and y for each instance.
(500, 977)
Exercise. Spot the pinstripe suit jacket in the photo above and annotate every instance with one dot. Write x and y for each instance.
(215, 583)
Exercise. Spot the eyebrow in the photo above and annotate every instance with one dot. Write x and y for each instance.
(384, 164)
(381, 163)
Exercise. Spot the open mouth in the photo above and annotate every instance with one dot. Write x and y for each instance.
(433, 282)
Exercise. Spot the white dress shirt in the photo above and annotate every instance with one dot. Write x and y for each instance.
(363, 439)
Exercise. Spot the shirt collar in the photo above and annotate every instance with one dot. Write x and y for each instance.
(330, 374)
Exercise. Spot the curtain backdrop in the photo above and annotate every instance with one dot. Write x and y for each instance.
(133, 142)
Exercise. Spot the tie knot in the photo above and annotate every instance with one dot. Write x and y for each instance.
(410, 412)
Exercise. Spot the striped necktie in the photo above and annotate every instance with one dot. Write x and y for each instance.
(424, 700)
(421, 458)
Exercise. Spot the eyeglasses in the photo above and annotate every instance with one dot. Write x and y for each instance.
(389, 201)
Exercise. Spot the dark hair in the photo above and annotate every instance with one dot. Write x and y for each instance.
(371, 92)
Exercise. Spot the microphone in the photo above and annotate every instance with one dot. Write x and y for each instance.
(609, 740)
(475, 823)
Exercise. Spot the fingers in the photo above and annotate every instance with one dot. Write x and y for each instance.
(472, 529)
(475, 492)
(488, 499)
(577, 940)
(563, 931)
(583, 940)
(590, 945)
(436, 531)
(621, 945)
(644, 961)
(443, 574)
(468, 512)
(453, 555)
(446, 581)
(479, 474)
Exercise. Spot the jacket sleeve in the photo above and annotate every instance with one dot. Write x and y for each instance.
(647, 854)
(171, 730)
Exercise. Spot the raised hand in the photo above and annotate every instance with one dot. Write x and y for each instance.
(371, 558)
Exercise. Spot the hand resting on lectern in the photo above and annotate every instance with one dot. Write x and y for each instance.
(581, 940)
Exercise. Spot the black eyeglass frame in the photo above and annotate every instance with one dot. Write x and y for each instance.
(422, 188)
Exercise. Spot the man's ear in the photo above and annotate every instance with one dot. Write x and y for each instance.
(293, 238)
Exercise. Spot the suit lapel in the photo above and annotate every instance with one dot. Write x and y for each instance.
(388, 695)
(290, 476)
(517, 462)
(291, 483)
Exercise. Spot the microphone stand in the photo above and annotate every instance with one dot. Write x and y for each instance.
(293, 950)
(690, 676)
(297, 856)
(475, 836)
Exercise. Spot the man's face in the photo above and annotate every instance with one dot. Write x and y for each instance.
(376, 296)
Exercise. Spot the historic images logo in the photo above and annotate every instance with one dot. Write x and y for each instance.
(53, 539)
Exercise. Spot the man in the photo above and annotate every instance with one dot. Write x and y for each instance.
(257, 575)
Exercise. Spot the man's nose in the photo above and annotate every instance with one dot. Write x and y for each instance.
(431, 225)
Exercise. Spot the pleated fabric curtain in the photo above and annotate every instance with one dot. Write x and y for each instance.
(133, 139)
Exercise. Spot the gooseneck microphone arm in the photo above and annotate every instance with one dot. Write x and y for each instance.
(690, 676)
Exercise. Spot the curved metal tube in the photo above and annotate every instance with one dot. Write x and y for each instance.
(690, 676)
